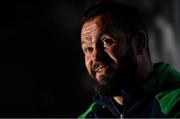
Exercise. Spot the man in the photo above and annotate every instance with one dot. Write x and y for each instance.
(115, 45)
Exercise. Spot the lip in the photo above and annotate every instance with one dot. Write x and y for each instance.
(101, 69)
(98, 69)
(100, 72)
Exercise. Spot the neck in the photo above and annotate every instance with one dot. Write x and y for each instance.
(119, 100)
(145, 68)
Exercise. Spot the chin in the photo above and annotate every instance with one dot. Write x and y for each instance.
(109, 84)
(103, 86)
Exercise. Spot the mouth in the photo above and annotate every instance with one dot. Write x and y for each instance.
(100, 68)
(100, 71)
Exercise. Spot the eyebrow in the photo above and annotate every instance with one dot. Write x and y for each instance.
(99, 36)
(87, 42)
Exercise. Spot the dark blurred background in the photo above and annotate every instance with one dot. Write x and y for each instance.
(42, 71)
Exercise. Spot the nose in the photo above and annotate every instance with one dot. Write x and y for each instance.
(98, 54)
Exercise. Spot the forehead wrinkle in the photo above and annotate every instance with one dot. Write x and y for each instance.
(95, 27)
(87, 32)
(88, 40)
(88, 29)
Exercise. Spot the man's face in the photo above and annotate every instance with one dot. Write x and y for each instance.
(109, 59)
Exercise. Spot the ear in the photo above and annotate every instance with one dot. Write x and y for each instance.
(140, 42)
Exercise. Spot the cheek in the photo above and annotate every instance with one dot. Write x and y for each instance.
(114, 53)
(118, 53)
(88, 63)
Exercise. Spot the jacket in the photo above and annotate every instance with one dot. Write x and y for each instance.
(161, 98)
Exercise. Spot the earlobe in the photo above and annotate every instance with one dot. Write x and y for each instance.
(141, 42)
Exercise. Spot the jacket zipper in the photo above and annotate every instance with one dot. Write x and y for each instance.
(114, 106)
(121, 116)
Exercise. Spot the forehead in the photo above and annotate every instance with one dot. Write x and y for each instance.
(98, 23)
(92, 24)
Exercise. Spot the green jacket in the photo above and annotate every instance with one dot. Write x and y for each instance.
(163, 101)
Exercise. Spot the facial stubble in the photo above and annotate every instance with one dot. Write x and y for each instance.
(119, 76)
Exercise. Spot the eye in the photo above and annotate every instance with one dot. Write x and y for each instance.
(107, 42)
(88, 50)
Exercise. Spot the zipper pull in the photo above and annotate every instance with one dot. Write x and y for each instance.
(121, 116)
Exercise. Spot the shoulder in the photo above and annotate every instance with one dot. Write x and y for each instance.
(169, 101)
